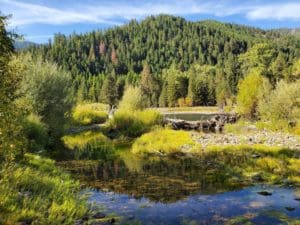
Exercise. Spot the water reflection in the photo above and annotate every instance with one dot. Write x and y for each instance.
(162, 180)
(182, 190)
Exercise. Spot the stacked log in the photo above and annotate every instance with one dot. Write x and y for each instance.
(215, 124)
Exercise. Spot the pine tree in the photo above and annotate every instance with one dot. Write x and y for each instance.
(109, 93)
(147, 84)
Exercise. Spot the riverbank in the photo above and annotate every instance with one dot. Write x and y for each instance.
(267, 138)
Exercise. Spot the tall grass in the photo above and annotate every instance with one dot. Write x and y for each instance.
(86, 114)
(36, 132)
(163, 141)
(37, 192)
(134, 123)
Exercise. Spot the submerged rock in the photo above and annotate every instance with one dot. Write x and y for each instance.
(99, 215)
(289, 208)
(264, 193)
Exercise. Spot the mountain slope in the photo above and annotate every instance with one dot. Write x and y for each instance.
(159, 41)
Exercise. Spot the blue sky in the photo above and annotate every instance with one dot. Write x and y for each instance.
(38, 20)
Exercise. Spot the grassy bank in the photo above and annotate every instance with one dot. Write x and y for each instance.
(35, 191)
(245, 163)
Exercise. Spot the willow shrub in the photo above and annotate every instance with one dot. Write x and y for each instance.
(134, 123)
(163, 141)
(88, 145)
(86, 114)
(37, 192)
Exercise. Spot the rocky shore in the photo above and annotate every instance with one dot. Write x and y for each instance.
(267, 138)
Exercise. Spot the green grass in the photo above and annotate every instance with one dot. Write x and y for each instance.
(163, 141)
(90, 113)
(35, 191)
(134, 123)
(88, 145)
(244, 127)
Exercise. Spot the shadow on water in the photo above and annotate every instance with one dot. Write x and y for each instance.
(180, 190)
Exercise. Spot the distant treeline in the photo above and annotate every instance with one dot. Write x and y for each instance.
(174, 61)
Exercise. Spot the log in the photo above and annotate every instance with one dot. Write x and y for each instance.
(215, 124)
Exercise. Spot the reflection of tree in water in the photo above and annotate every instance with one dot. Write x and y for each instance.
(159, 179)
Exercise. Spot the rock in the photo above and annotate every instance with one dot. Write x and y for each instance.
(264, 193)
(288, 208)
(255, 156)
(99, 215)
(257, 178)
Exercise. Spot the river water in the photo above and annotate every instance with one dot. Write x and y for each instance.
(171, 191)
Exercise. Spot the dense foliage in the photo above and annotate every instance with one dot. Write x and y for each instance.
(32, 189)
(165, 54)
(11, 137)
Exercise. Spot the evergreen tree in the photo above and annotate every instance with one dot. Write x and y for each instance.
(147, 84)
(109, 93)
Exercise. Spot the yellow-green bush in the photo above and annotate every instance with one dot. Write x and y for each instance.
(163, 141)
(132, 99)
(270, 164)
(88, 144)
(37, 192)
(91, 113)
(135, 123)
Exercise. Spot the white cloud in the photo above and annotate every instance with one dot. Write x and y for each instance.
(283, 11)
(111, 13)
(26, 13)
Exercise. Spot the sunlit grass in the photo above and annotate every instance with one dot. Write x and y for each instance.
(134, 123)
(92, 113)
(163, 141)
(37, 192)
(246, 127)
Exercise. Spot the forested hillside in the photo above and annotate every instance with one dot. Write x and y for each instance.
(165, 53)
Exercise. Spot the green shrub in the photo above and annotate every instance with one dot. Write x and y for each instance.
(36, 132)
(283, 103)
(47, 90)
(37, 192)
(134, 123)
(88, 145)
(163, 141)
(87, 114)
